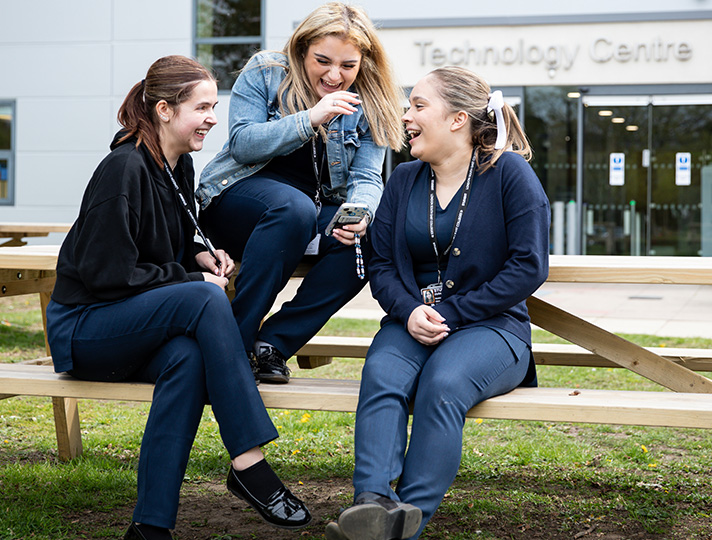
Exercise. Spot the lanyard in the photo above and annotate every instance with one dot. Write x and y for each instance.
(456, 226)
(185, 206)
(317, 173)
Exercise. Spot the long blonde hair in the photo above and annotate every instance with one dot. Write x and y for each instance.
(382, 99)
(463, 90)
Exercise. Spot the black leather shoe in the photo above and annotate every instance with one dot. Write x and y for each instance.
(282, 509)
(272, 366)
(375, 516)
(253, 366)
(147, 532)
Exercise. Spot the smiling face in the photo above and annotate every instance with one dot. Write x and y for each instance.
(428, 122)
(186, 125)
(331, 64)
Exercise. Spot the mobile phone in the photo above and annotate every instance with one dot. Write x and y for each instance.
(346, 214)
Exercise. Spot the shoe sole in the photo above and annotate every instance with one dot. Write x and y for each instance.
(274, 379)
(333, 532)
(374, 522)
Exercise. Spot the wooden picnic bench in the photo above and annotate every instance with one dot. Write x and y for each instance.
(689, 405)
(17, 232)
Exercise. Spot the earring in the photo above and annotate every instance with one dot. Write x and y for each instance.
(164, 118)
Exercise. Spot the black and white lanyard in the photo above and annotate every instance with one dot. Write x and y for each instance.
(185, 206)
(318, 171)
(464, 200)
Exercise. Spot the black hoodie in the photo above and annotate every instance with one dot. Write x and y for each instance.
(132, 234)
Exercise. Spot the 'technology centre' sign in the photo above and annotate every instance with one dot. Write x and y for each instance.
(615, 53)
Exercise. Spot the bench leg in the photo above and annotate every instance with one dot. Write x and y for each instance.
(66, 424)
(311, 362)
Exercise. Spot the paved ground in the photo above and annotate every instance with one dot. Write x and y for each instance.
(663, 310)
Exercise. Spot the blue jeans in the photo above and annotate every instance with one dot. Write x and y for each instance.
(184, 339)
(267, 225)
(469, 366)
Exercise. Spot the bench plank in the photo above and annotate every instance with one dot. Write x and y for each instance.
(692, 410)
(546, 354)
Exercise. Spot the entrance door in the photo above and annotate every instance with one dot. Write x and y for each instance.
(642, 174)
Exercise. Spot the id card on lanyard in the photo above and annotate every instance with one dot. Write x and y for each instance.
(432, 294)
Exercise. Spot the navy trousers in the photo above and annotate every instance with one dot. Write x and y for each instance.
(184, 339)
(267, 225)
(469, 366)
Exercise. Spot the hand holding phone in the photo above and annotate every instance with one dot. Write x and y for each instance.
(346, 214)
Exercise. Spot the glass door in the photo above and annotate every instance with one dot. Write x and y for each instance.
(643, 165)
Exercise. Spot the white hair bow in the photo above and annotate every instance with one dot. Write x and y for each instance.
(496, 102)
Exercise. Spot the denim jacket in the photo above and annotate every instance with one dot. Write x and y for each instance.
(258, 132)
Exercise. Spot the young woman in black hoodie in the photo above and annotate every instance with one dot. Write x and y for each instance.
(137, 299)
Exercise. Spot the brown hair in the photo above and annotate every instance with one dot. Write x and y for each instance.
(171, 79)
(375, 82)
(463, 90)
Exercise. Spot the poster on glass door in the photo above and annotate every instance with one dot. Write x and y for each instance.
(683, 162)
(616, 168)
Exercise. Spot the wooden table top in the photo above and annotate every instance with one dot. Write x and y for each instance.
(10, 228)
(562, 268)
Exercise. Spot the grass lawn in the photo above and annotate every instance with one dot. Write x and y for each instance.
(524, 480)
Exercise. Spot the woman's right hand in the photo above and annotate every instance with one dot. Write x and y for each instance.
(220, 281)
(427, 326)
(341, 102)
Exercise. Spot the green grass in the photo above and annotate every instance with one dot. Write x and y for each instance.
(516, 478)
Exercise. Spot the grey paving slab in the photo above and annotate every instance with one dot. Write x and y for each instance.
(662, 310)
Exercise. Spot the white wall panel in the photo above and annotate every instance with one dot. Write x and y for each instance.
(48, 21)
(53, 70)
(153, 20)
(54, 181)
(62, 125)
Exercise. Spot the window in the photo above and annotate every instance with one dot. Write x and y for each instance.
(228, 33)
(7, 116)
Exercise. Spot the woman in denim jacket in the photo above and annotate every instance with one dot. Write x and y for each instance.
(309, 129)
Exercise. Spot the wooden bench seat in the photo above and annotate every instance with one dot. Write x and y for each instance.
(672, 409)
(321, 349)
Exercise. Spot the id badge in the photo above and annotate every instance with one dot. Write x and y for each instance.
(313, 247)
(432, 294)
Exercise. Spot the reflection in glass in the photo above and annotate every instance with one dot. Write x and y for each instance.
(5, 127)
(228, 18)
(226, 60)
(4, 177)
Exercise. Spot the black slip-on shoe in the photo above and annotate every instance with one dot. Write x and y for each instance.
(282, 509)
(272, 366)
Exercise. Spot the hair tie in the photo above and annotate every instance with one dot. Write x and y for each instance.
(496, 103)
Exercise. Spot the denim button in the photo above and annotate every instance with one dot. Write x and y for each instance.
(449, 284)
(456, 252)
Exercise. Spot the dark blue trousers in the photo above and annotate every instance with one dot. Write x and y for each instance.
(267, 225)
(467, 367)
(184, 339)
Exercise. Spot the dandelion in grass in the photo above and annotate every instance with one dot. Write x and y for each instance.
(478, 421)
(295, 452)
(305, 418)
(645, 450)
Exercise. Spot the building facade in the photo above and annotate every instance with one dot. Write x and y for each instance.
(616, 99)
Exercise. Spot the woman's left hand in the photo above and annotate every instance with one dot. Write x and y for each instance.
(345, 235)
(206, 261)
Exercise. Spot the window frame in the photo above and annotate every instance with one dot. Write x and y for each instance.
(231, 40)
(9, 155)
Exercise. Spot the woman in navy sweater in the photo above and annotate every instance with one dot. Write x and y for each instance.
(460, 240)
